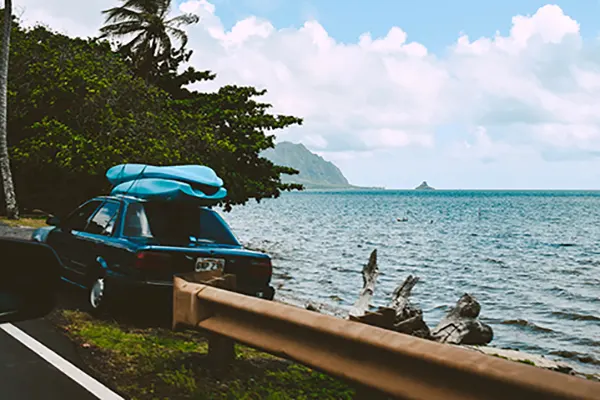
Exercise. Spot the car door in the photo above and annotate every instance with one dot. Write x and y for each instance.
(64, 238)
(95, 238)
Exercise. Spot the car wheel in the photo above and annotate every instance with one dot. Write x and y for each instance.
(269, 293)
(97, 296)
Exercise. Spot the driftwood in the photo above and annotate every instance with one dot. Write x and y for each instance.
(461, 326)
(400, 316)
(369, 273)
(408, 318)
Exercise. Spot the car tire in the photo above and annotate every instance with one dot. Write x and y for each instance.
(98, 296)
(269, 293)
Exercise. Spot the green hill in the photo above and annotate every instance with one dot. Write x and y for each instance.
(315, 172)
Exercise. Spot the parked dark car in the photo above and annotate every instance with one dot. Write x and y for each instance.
(115, 246)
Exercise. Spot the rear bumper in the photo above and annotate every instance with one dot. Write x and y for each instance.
(164, 289)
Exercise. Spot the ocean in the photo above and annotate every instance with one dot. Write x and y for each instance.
(532, 259)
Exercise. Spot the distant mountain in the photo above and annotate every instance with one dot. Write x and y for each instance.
(424, 186)
(315, 172)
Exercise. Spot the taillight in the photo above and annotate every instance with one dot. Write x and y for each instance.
(152, 260)
(261, 267)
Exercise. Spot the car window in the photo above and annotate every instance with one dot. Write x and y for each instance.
(136, 222)
(176, 223)
(103, 221)
(77, 220)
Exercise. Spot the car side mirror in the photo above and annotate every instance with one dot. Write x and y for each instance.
(29, 279)
(53, 221)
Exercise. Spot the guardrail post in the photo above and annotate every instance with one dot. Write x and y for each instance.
(221, 349)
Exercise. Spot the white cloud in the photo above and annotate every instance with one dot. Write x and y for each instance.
(535, 90)
(481, 147)
(73, 17)
(391, 92)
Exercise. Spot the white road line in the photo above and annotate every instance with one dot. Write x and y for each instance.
(83, 379)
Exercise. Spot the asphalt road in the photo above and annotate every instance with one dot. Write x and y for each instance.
(26, 374)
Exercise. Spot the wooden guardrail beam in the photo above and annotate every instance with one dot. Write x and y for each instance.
(393, 363)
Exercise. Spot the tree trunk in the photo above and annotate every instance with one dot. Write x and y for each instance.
(369, 272)
(461, 326)
(10, 199)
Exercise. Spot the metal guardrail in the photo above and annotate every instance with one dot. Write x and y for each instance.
(395, 364)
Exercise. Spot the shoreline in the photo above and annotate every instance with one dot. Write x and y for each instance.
(510, 354)
(515, 355)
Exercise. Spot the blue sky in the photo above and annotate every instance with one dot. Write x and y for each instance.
(434, 23)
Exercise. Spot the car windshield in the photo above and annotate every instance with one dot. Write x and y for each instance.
(176, 223)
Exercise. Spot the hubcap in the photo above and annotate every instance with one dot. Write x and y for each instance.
(97, 292)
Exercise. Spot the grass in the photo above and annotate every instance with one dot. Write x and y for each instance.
(528, 362)
(31, 222)
(154, 363)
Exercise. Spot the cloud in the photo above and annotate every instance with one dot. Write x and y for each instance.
(534, 92)
(390, 92)
(73, 17)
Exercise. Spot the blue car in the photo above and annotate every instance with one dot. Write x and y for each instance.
(114, 246)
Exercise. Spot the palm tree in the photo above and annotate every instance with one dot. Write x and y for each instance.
(12, 211)
(146, 23)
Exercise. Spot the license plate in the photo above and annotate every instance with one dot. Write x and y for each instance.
(209, 264)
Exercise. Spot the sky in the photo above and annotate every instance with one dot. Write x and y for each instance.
(464, 94)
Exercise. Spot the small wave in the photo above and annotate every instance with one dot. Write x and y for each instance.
(526, 324)
(442, 307)
(574, 316)
(282, 275)
(494, 261)
(558, 245)
(594, 263)
(586, 342)
(345, 270)
(573, 355)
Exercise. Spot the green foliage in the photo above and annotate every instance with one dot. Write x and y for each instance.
(238, 124)
(76, 108)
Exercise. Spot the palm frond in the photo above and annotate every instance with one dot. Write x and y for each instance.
(178, 34)
(120, 14)
(121, 28)
(165, 8)
(164, 45)
(183, 19)
(137, 42)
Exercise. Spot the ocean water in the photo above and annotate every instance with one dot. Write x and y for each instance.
(532, 259)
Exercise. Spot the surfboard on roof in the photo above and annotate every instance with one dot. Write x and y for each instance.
(196, 174)
(179, 183)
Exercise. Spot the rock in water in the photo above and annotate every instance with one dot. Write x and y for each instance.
(424, 186)
(461, 326)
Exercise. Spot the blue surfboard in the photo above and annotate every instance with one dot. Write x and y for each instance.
(180, 182)
(167, 190)
(194, 174)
